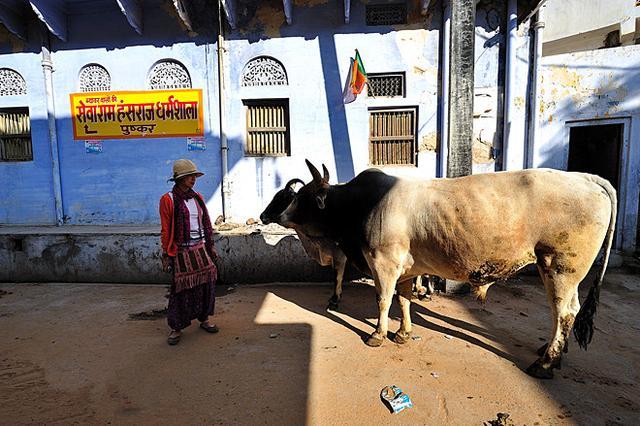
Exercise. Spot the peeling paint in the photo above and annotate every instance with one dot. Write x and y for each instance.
(567, 79)
(411, 45)
(518, 102)
(268, 20)
(429, 142)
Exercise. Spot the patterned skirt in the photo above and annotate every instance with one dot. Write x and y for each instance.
(192, 294)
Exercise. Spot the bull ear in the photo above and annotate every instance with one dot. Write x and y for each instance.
(320, 200)
(314, 172)
(325, 172)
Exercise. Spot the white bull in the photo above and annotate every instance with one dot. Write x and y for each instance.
(479, 228)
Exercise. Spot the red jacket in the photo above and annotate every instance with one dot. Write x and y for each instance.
(166, 219)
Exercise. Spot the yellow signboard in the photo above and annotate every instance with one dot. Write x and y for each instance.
(132, 115)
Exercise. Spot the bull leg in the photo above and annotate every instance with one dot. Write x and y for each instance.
(386, 271)
(561, 289)
(385, 296)
(575, 307)
(422, 292)
(404, 297)
(339, 265)
(431, 288)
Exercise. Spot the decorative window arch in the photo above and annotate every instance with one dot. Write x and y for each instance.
(94, 78)
(264, 71)
(169, 74)
(11, 83)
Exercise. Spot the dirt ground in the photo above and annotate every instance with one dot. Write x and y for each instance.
(70, 353)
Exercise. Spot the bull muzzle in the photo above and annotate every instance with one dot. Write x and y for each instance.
(265, 219)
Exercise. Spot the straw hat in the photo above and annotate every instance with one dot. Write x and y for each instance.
(183, 167)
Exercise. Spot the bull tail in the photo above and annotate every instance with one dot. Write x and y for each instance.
(583, 325)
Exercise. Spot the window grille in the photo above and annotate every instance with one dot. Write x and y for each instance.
(388, 85)
(94, 78)
(392, 137)
(267, 128)
(169, 75)
(15, 135)
(264, 71)
(11, 83)
(386, 14)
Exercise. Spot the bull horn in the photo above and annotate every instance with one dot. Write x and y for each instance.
(293, 181)
(314, 172)
(325, 172)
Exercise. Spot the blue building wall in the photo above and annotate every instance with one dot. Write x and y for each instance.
(26, 192)
(315, 51)
(121, 185)
(124, 183)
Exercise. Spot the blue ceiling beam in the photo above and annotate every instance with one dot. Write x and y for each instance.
(288, 11)
(347, 11)
(132, 10)
(230, 12)
(183, 14)
(13, 21)
(52, 13)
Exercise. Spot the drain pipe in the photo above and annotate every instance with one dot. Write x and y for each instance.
(47, 68)
(224, 148)
(534, 100)
(444, 98)
(508, 142)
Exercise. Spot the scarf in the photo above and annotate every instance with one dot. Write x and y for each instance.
(181, 219)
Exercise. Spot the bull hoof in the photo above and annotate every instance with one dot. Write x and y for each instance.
(543, 349)
(374, 340)
(401, 337)
(538, 371)
(332, 306)
(424, 296)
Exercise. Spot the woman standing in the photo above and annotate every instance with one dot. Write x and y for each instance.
(188, 252)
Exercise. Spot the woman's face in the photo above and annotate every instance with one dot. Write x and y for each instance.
(188, 181)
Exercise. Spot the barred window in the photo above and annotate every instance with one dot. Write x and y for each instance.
(392, 137)
(15, 135)
(94, 78)
(268, 128)
(386, 14)
(169, 75)
(11, 83)
(264, 71)
(386, 85)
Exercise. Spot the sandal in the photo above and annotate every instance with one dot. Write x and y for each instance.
(174, 338)
(209, 328)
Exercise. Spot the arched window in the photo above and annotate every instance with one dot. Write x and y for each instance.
(94, 78)
(11, 83)
(264, 71)
(169, 74)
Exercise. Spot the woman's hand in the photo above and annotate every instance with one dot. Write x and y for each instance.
(167, 263)
(211, 250)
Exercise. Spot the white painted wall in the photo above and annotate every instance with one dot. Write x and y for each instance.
(566, 18)
(601, 85)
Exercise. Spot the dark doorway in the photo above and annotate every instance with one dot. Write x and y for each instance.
(596, 150)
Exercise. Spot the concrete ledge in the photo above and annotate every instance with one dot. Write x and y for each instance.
(131, 254)
(116, 254)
